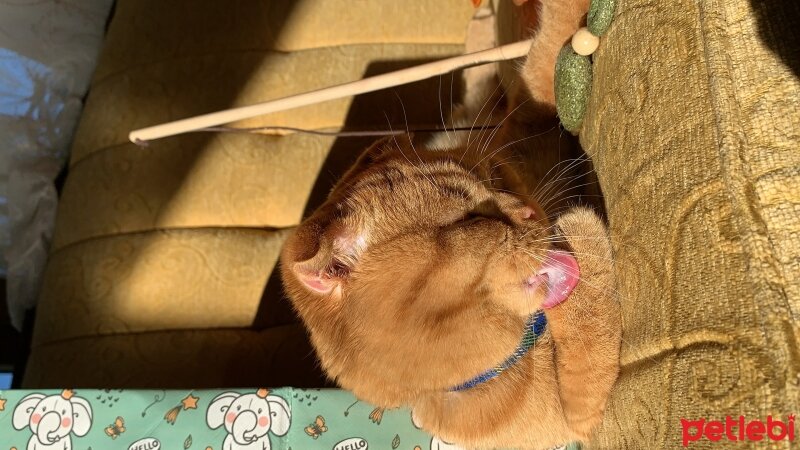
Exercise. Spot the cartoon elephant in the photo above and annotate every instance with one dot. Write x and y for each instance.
(436, 442)
(248, 418)
(52, 418)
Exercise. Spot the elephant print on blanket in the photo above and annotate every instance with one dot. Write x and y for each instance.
(52, 419)
(249, 419)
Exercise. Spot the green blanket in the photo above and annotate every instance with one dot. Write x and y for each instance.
(231, 419)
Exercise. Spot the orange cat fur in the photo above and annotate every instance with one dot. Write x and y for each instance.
(415, 276)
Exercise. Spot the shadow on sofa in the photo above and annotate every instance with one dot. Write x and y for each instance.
(777, 21)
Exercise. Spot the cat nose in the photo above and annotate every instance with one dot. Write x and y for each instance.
(528, 213)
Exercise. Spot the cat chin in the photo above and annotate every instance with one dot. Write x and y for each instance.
(536, 286)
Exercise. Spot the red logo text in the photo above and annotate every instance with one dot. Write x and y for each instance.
(738, 429)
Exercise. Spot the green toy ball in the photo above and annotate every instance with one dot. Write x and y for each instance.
(573, 75)
(573, 86)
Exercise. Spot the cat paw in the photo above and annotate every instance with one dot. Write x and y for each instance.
(588, 327)
(555, 21)
(587, 237)
(592, 307)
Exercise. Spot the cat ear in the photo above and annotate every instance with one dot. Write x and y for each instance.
(337, 251)
(377, 150)
(384, 145)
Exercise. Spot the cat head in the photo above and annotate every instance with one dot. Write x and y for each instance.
(418, 272)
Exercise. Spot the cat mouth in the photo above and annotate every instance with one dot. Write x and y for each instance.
(558, 276)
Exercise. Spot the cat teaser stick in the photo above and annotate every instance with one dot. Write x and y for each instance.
(405, 76)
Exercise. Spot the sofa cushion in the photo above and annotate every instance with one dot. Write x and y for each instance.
(693, 129)
(162, 270)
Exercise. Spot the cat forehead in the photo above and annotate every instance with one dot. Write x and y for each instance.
(415, 181)
(405, 165)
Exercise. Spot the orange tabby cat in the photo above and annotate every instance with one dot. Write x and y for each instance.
(421, 270)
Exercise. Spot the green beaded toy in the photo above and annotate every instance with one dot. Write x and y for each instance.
(573, 79)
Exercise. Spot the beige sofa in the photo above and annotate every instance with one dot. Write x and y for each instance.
(162, 271)
(694, 129)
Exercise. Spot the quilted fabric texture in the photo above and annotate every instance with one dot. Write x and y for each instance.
(163, 265)
(694, 129)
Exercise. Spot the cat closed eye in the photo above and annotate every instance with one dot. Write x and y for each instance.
(338, 269)
(466, 219)
(472, 217)
(486, 210)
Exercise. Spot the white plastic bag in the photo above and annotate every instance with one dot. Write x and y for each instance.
(48, 51)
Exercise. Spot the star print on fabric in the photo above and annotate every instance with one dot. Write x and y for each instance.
(2, 404)
(190, 402)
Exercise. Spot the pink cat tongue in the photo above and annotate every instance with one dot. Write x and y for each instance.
(562, 274)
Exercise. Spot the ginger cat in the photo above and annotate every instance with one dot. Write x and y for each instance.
(427, 264)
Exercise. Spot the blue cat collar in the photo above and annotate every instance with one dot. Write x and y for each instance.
(534, 328)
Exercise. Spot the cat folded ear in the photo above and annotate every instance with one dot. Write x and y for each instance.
(325, 250)
(335, 255)
(401, 142)
(376, 151)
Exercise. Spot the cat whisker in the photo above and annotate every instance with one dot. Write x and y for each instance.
(400, 148)
(405, 120)
(501, 164)
(563, 176)
(616, 242)
(550, 204)
(561, 209)
(590, 316)
(558, 177)
(505, 161)
(487, 180)
(452, 76)
(585, 255)
(568, 205)
(496, 189)
(498, 125)
(504, 146)
(441, 112)
(477, 116)
(510, 158)
(548, 200)
(488, 156)
(548, 231)
(394, 138)
(486, 120)
(579, 276)
(555, 196)
(568, 162)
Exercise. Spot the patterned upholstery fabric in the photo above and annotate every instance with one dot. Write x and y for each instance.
(695, 132)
